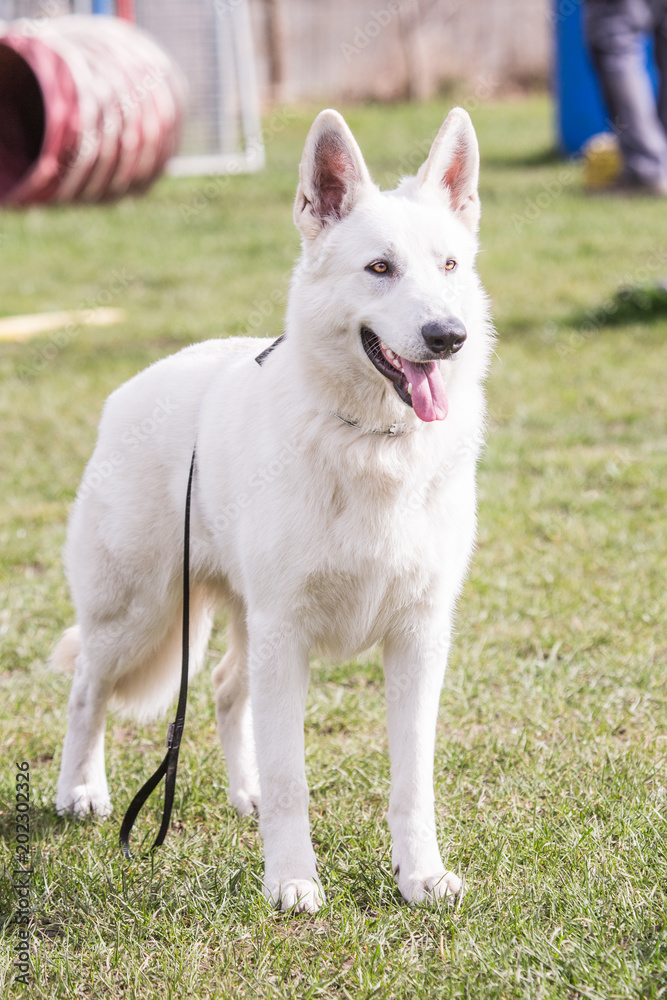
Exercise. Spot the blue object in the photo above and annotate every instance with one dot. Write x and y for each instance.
(103, 7)
(580, 110)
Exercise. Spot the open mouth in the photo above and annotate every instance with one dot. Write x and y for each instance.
(418, 384)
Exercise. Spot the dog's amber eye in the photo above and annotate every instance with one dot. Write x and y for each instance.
(379, 267)
(450, 264)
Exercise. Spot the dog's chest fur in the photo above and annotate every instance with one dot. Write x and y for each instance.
(370, 547)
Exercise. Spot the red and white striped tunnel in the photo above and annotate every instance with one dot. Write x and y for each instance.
(90, 108)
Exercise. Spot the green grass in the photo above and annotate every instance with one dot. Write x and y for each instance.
(551, 769)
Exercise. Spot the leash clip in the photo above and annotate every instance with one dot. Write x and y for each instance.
(174, 734)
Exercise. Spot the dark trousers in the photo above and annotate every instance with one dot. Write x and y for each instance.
(614, 29)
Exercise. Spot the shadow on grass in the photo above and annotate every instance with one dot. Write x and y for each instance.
(44, 822)
(637, 304)
(644, 305)
(366, 885)
(539, 158)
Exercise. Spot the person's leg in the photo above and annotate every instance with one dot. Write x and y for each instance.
(660, 37)
(614, 33)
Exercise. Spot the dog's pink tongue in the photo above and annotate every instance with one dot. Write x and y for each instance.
(429, 398)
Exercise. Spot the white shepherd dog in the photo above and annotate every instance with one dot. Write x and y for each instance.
(333, 505)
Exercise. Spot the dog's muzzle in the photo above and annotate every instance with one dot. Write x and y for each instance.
(418, 384)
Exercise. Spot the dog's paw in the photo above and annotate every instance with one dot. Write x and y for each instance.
(301, 895)
(84, 801)
(441, 885)
(245, 803)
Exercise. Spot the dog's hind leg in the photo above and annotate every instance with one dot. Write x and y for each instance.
(234, 715)
(82, 784)
(132, 660)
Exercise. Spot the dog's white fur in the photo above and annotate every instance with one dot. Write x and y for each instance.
(315, 534)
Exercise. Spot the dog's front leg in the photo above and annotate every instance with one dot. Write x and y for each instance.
(414, 670)
(279, 673)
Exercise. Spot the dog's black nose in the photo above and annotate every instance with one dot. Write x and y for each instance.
(444, 338)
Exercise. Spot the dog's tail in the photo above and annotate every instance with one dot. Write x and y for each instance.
(64, 656)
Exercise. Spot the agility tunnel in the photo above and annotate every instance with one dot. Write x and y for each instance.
(91, 108)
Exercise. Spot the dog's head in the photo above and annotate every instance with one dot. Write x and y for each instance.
(387, 275)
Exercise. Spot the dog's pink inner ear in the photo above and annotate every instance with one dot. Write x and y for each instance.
(456, 178)
(333, 176)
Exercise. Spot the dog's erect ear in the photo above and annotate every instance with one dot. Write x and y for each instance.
(331, 175)
(453, 166)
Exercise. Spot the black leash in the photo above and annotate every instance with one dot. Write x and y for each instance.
(169, 765)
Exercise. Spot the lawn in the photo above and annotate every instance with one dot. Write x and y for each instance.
(551, 767)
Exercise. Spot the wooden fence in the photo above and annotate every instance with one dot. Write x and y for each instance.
(387, 49)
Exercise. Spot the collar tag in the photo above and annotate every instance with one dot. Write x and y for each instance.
(394, 430)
